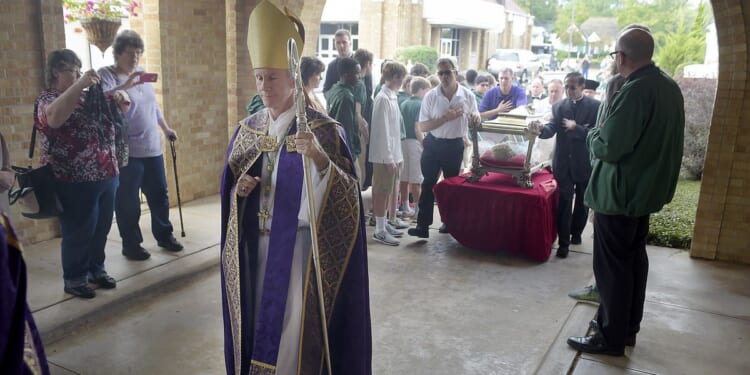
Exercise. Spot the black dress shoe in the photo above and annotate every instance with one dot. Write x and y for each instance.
(82, 291)
(170, 244)
(443, 229)
(104, 281)
(562, 252)
(421, 232)
(595, 344)
(135, 253)
(594, 326)
(575, 239)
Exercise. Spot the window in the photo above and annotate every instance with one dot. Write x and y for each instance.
(450, 41)
(327, 42)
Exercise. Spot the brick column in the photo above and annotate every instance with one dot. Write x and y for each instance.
(722, 221)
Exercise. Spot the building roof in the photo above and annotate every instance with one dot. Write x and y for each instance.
(605, 27)
(477, 14)
(512, 7)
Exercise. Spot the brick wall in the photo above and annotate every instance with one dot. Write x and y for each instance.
(723, 219)
(186, 44)
(25, 44)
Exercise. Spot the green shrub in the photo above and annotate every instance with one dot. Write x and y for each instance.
(673, 225)
(418, 54)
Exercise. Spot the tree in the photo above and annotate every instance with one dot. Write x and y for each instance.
(544, 11)
(684, 46)
(584, 9)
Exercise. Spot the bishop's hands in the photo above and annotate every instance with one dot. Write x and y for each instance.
(307, 145)
(246, 184)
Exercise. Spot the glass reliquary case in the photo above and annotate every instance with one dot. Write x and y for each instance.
(506, 145)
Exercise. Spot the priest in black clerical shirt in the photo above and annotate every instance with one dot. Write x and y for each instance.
(572, 118)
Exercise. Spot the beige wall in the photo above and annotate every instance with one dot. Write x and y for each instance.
(199, 49)
(722, 226)
(25, 43)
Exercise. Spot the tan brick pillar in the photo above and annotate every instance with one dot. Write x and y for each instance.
(722, 222)
(29, 30)
(370, 27)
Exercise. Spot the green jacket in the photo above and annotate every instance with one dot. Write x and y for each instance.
(341, 107)
(637, 149)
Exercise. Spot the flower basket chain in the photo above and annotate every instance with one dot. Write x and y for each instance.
(100, 32)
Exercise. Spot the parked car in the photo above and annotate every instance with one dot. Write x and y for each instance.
(548, 61)
(523, 63)
(570, 65)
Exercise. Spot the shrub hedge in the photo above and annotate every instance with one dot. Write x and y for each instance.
(699, 94)
(673, 225)
(418, 54)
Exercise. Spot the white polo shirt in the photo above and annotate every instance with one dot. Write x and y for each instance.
(435, 105)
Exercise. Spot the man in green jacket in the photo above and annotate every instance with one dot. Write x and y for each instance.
(637, 151)
(341, 102)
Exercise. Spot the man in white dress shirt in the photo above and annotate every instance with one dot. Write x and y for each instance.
(445, 115)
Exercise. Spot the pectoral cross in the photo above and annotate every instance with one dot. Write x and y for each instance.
(263, 215)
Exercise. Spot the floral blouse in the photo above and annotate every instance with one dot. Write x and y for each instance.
(82, 149)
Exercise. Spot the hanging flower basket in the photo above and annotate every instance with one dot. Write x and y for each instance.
(100, 32)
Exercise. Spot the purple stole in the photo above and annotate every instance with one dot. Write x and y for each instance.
(286, 205)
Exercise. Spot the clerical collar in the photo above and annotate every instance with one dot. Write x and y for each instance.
(575, 101)
(279, 125)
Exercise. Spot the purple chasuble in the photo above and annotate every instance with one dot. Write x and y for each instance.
(286, 205)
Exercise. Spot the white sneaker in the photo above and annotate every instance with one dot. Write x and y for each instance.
(392, 231)
(405, 212)
(398, 224)
(385, 238)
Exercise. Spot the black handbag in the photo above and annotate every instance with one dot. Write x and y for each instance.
(36, 191)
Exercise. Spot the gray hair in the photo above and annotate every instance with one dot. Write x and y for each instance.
(125, 39)
(59, 60)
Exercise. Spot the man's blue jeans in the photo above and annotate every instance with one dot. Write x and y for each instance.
(147, 175)
(85, 223)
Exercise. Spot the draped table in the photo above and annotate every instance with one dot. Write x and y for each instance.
(495, 214)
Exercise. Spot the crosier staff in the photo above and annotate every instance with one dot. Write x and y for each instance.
(299, 103)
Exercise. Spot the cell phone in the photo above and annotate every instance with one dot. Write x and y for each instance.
(149, 77)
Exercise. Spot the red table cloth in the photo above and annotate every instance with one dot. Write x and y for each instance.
(495, 214)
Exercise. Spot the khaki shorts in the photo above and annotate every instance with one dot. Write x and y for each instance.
(383, 180)
(412, 170)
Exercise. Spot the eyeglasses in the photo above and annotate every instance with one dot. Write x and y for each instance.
(75, 71)
(444, 72)
(614, 54)
(569, 87)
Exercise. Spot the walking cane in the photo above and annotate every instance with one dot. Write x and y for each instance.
(177, 183)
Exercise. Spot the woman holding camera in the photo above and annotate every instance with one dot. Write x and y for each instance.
(80, 147)
(145, 167)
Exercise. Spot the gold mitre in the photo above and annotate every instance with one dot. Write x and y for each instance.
(268, 34)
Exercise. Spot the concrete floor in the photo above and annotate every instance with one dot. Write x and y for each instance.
(437, 308)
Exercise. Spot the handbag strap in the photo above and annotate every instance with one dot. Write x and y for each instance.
(33, 142)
